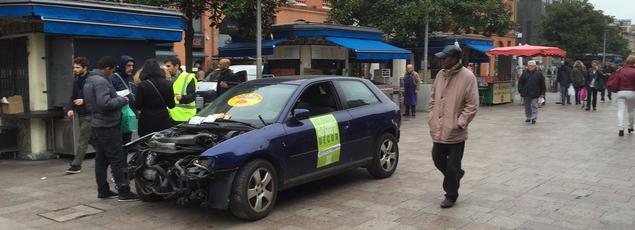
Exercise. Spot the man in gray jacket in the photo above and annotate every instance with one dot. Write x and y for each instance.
(105, 105)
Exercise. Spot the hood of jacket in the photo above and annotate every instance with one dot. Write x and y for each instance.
(121, 68)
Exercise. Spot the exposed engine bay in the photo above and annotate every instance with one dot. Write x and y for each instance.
(169, 165)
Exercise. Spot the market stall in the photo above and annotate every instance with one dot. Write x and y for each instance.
(40, 38)
(501, 90)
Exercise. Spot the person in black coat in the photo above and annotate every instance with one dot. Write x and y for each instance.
(531, 86)
(595, 83)
(154, 97)
(564, 79)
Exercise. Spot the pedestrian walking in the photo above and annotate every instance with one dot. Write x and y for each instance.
(154, 97)
(184, 89)
(123, 80)
(77, 110)
(453, 105)
(411, 87)
(579, 75)
(105, 105)
(531, 87)
(622, 82)
(607, 69)
(595, 83)
(564, 79)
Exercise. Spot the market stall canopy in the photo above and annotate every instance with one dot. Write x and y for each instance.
(246, 49)
(370, 49)
(97, 19)
(365, 43)
(528, 51)
(474, 48)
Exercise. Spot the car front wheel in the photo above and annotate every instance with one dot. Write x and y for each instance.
(254, 190)
(385, 158)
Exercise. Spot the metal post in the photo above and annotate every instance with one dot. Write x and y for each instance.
(258, 39)
(604, 48)
(425, 47)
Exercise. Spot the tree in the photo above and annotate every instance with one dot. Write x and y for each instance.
(578, 28)
(404, 20)
(241, 11)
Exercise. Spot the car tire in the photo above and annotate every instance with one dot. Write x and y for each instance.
(385, 157)
(254, 191)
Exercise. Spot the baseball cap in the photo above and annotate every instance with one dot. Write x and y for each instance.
(449, 51)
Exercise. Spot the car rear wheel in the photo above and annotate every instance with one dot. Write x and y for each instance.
(254, 190)
(385, 158)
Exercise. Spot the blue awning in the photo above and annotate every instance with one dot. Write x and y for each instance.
(481, 47)
(246, 49)
(72, 18)
(371, 49)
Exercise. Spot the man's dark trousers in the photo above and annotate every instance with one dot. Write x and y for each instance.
(109, 152)
(447, 158)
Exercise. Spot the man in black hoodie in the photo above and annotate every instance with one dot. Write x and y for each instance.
(123, 80)
(105, 105)
(77, 107)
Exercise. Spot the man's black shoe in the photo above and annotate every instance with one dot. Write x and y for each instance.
(527, 120)
(630, 131)
(109, 194)
(447, 203)
(74, 169)
(533, 122)
(621, 133)
(128, 196)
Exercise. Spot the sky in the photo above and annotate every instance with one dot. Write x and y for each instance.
(621, 9)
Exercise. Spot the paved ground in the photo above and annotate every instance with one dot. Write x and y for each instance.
(569, 171)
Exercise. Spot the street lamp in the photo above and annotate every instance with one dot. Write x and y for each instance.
(258, 40)
(604, 43)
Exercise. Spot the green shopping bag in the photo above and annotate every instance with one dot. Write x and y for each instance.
(128, 120)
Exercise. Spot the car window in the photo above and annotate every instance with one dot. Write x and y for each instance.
(319, 99)
(357, 94)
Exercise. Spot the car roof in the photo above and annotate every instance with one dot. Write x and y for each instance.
(298, 80)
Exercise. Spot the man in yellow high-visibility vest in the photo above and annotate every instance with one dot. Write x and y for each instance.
(184, 86)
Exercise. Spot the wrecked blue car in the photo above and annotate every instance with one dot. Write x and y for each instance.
(264, 136)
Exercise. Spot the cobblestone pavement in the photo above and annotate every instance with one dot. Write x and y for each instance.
(569, 171)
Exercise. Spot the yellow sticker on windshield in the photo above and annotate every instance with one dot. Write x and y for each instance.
(245, 99)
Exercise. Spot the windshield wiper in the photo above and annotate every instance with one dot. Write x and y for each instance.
(239, 122)
(263, 120)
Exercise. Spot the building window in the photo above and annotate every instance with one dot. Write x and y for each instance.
(326, 4)
(297, 2)
(196, 23)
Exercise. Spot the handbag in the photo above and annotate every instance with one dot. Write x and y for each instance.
(128, 120)
(571, 91)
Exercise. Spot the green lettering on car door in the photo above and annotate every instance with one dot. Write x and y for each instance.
(328, 139)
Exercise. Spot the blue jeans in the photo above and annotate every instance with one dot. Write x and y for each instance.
(564, 94)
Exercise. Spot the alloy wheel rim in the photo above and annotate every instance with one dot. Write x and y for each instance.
(388, 155)
(260, 190)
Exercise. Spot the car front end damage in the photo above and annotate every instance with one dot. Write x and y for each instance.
(169, 165)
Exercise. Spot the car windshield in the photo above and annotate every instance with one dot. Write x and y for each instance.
(249, 103)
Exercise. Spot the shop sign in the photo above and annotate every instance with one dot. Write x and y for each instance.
(328, 52)
(502, 93)
(285, 53)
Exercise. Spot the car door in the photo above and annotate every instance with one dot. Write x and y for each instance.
(315, 144)
(361, 104)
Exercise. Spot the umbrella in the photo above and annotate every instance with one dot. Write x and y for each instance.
(528, 51)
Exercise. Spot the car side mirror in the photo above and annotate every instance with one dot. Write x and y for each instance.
(301, 114)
